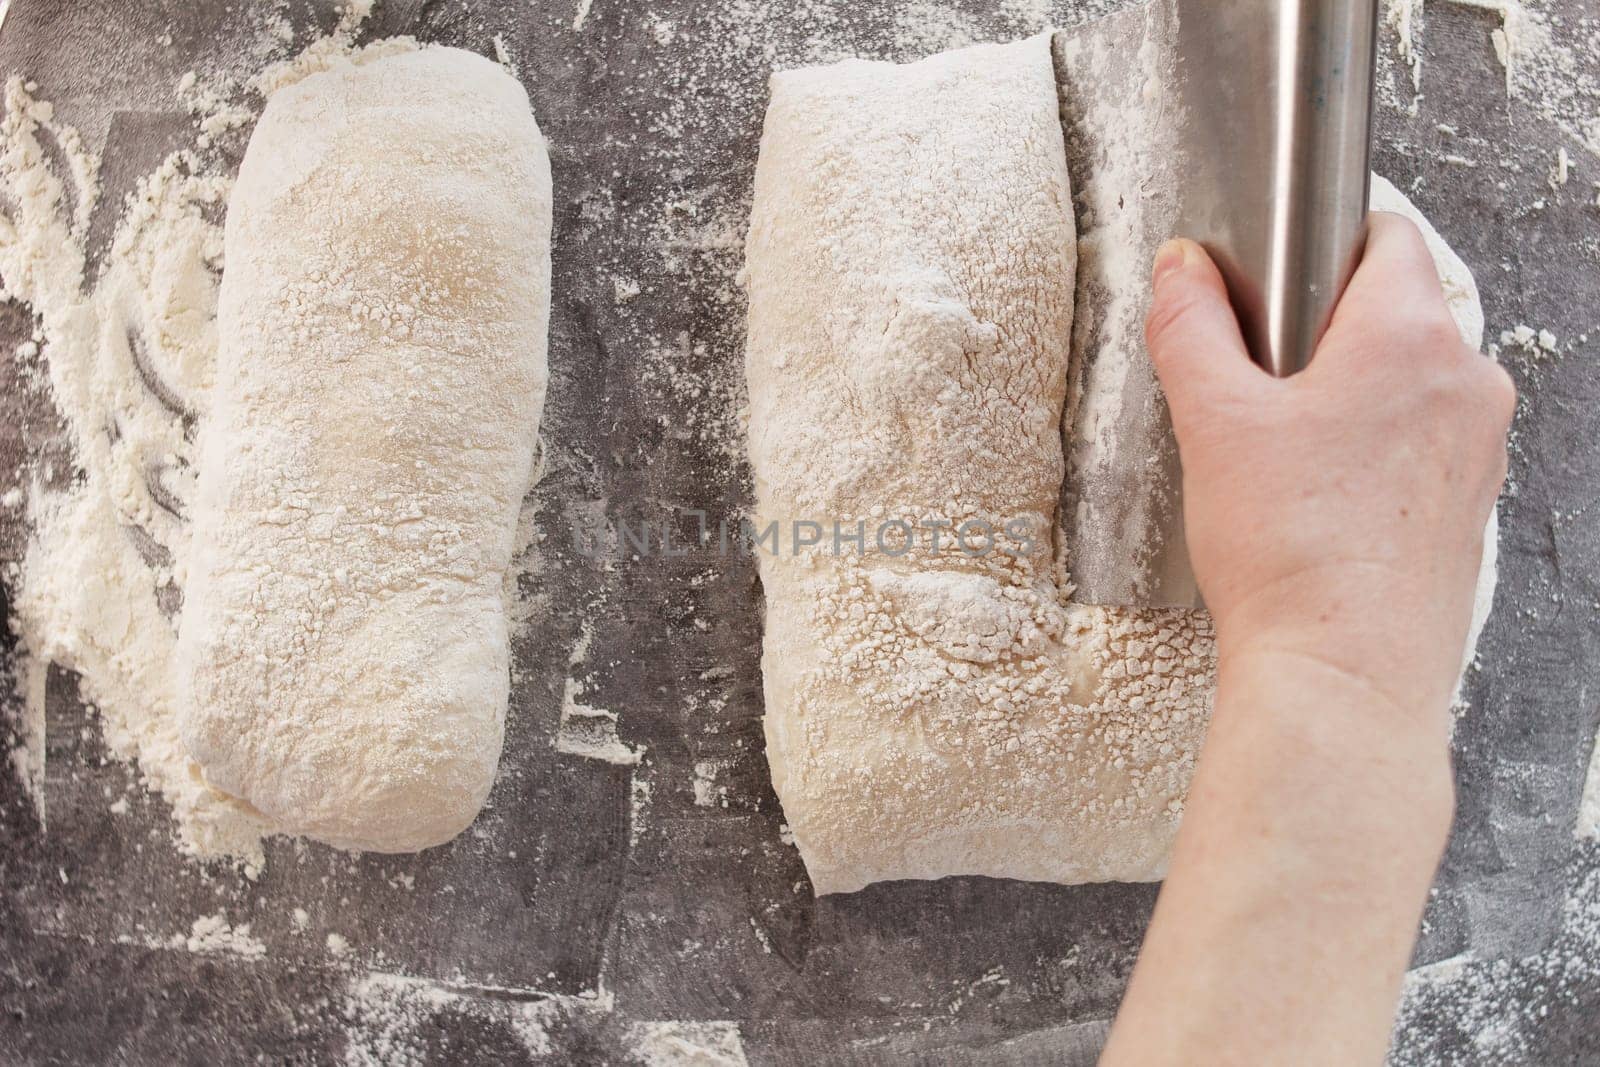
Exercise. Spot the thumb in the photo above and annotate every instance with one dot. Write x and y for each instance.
(1192, 332)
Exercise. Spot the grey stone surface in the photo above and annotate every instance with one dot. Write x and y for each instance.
(689, 912)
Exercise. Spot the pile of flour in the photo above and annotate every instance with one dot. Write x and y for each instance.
(124, 349)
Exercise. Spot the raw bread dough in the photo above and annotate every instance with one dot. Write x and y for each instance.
(343, 650)
(910, 264)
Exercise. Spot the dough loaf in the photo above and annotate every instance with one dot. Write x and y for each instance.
(910, 264)
(910, 261)
(343, 649)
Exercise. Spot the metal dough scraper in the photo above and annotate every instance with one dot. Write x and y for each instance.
(1246, 125)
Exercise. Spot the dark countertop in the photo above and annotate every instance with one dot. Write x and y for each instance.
(592, 900)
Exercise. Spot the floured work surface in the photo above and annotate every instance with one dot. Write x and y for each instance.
(629, 893)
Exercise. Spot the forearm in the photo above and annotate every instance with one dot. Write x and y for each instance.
(1313, 828)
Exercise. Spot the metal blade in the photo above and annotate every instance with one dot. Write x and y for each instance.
(1121, 509)
(1245, 126)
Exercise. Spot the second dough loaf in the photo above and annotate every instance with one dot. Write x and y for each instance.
(929, 713)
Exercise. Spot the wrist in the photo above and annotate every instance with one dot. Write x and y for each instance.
(1364, 629)
(1338, 735)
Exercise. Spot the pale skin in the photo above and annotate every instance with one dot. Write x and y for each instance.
(1335, 521)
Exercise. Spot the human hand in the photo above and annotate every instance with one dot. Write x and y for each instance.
(1337, 516)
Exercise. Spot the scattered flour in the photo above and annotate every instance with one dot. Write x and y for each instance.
(1531, 343)
(1499, 1006)
(588, 731)
(686, 1044)
(129, 345)
(1403, 18)
(129, 357)
(1541, 50)
(213, 934)
(591, 732)
(1589, 812)
(502, 54)
(392, 1017)
(707, 793)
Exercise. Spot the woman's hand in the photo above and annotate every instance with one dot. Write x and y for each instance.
(1335, 520)
(1338, 514)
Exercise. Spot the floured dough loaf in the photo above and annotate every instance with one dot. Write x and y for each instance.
(910, 260)
(343, 650)
(930, 713)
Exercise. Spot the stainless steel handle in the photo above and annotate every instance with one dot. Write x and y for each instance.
(1278, 102)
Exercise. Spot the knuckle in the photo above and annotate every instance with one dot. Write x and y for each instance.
(1434, 333)
(1443, 334)
(1501, 391)
(1444, 392)
(1464, 394)
(1392, 233)
(1410, 335)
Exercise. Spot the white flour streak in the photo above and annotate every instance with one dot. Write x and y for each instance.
(392, 1016)
(592, 733)
(588, 731)
(214, 934)
(1589, 812)
(686, 1044)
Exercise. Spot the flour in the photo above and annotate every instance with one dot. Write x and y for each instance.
(1589, 811)
(393, 1017)
(1562, 171)
(685, 1044)
(707, 793)
(592, 733)
(129, 349)
(214, 112)
(1403, 18)
(1536, 344)
(129, 357)
(588, 731)
(1540, 50)
(1499, 1005)
(213, 934)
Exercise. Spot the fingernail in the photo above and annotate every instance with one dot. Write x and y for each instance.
(1169, 258)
